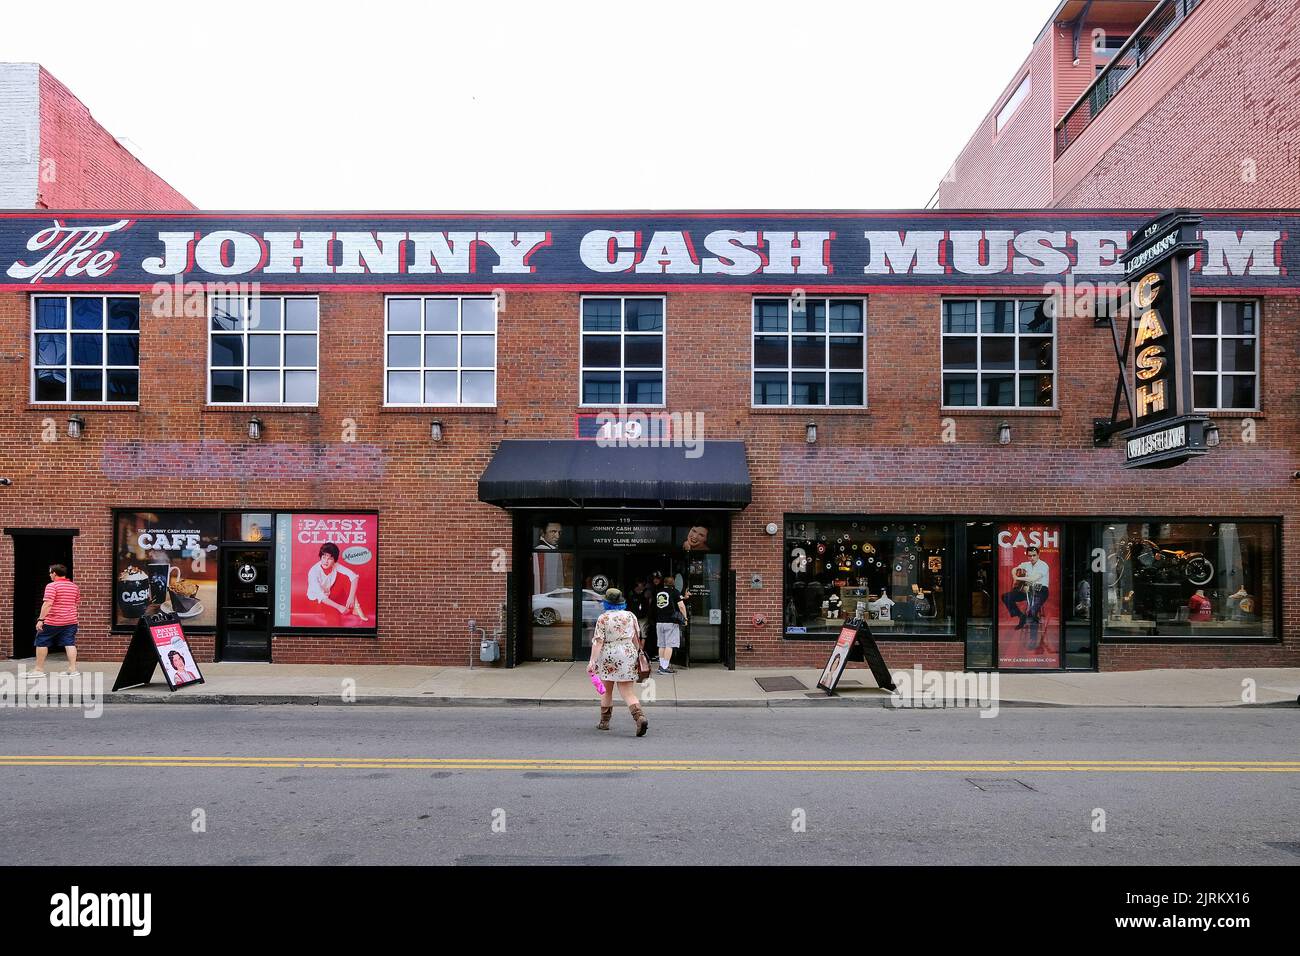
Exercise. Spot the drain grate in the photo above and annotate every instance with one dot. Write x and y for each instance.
(773, 684)
(1004, 784)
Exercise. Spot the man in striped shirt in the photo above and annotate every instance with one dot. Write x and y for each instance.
(58, 620)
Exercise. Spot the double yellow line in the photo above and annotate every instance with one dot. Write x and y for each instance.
(682, 765)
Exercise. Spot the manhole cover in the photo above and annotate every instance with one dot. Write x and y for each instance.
(989, 784)
(773, 684)
(1288, 847)
(486, 859)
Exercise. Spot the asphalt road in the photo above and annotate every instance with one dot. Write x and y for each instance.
(335, 785)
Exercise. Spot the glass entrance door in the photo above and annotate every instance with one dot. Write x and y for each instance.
(244, 628)
(597, 573)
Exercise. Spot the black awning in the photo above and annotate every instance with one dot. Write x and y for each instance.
(585, 474)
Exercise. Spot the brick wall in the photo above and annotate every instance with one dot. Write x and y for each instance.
(436, 539)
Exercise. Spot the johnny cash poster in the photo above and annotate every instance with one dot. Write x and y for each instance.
(1029, 590)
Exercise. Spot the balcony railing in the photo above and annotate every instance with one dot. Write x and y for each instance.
(1150, 35)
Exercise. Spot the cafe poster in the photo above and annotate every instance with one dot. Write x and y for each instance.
(327, 570)
(1029, 596)
(174, 653)
(166, 560)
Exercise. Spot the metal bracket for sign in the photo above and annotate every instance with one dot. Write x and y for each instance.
(1104, 428)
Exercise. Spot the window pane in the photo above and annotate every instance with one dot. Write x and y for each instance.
(1205, 391)
(227, 314)
(1205, 354)
(643, 351)
(440, 388)
(51, 313)
(440, 315)
(600, 315)
(846, 389)
(124, 350)
(808, 351)
(770, 389)
(403, 315)
(227, 350)
(87, 385)
(440, 351)
(644, 388)
(960, 351)
(600, 351)
(52, 349)
(263, 350)
(808, 389)
(478, 351)
(1238, 355)
(959, 316)
(1036, 391)
(811, 319)
(998, 389)
(1036, 353)
(770, 351)
(264, 388)
(404, 388)
(846, 351)
(846, 316)
(404, 351)
(644, 315)
(300, 315)
(478, 315)
(264, 315)
(1034, 317)
(997, 315)
(477, 388)
(300, 388)
(1238, 318)
(997, 353)
(88, 349)
(1205, 320)
(600, 388)
(771, 315)
(300, 350)
(123, 314)
(959, 390)
(87, 313)
(227, 386)
(123, 385)
(51, 385)
(1239, 390)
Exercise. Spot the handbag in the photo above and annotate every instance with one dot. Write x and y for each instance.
(642, 667)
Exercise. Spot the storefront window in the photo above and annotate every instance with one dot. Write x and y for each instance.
(1189, 579)
(165, 560)
(552, 605)
(892, 574)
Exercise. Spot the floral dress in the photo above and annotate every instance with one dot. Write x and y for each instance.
(618, 655)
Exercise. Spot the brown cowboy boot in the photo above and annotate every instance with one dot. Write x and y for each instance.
(605, 714)
(642, 725)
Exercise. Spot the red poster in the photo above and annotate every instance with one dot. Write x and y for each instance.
(1029, 596)
(174, 652)
(333, 570)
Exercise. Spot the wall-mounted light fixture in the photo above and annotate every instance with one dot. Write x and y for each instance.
(435, 430)
(1212, 435)
(6, 482)
(1004, 432)
(76, 426)
(255, 428)
(810, 433)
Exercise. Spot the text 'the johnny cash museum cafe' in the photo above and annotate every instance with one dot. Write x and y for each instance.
(1048, 440)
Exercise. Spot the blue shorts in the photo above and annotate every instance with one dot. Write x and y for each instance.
(58, 635)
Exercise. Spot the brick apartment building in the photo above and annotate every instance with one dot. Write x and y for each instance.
(891, 418)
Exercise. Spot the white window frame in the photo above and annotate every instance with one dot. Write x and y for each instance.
(460, 333)
(1015, 371)
(245, 368)
(1011, 105)
(1219, 338)
(622, 368)
(789, 335)
(104, 368)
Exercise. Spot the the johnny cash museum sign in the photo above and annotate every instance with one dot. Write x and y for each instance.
(852, 252)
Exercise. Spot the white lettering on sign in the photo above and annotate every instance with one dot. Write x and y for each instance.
(69, 251)
(1250, 252)
(1168, 440)
(163, 541)
(1034, 539)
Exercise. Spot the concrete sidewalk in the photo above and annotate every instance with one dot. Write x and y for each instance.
(704, 686)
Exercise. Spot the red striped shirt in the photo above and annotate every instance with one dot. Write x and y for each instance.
(64, 596)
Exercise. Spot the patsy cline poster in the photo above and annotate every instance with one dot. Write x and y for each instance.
(332, 570)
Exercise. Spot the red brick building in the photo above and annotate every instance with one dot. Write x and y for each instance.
(1125, 104)
(805, 417)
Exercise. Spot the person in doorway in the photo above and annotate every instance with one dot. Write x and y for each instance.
(615, 649)
(57, 624)
(324, 576)
(638, 602)
(669, 611)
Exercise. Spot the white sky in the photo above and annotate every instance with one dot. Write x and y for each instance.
(543, 105)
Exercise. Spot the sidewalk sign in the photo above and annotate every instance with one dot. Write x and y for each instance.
(158, 639)
(855, 643)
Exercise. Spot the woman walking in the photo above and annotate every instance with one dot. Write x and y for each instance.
(615, 649)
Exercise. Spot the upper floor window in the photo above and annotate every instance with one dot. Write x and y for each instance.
(86, 348)
(998, 353)
(622, 351)
(263, 350)
(1012, 104)
(1225, 355)
(440, 350)
(810, 352)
